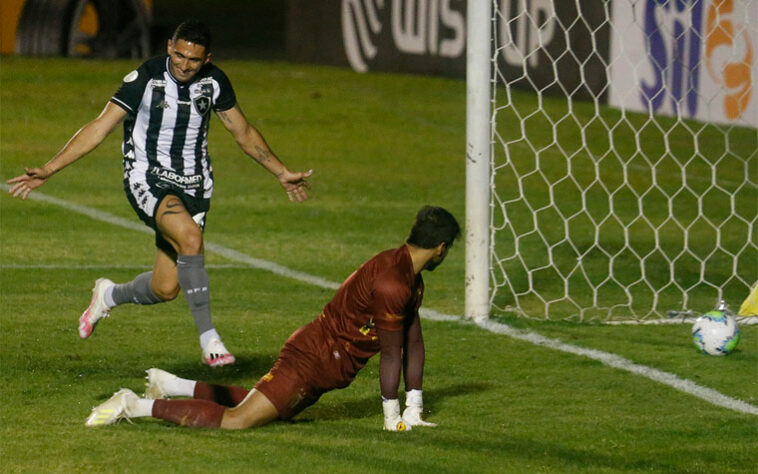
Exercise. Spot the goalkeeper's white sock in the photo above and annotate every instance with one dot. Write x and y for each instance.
(414, 398)
(140, 407)
(179, 387)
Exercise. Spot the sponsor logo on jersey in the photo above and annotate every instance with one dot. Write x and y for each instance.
(367, 327)
(192, 181)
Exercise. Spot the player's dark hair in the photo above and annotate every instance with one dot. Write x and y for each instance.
(195, 31)
(433, 226)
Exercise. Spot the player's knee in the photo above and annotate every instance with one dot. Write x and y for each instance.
(255, 410)
(191, 242)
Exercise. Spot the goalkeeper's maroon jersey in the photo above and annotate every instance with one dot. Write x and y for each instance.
(383, 293)
(328, 352)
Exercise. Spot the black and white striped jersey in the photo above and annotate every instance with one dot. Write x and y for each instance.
(166, 130)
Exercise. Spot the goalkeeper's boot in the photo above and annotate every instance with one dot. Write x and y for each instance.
(156, 385)
(216, 355)
(97, 309)
(113, 410)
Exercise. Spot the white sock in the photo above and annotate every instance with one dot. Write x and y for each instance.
(208, 336)
(140, 407)
(179, 387)
(108, 297)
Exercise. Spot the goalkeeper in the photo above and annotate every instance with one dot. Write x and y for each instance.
(374, 311)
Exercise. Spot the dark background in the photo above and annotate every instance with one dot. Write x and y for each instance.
(310, 31)
(250, 29)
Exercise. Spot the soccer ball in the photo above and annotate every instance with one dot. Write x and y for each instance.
(716, 333)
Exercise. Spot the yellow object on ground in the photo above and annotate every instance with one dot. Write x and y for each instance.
(750, 305)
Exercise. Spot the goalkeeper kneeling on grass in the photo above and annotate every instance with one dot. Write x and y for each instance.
(374, 311)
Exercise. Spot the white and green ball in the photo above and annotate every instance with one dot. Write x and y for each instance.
(716, 333)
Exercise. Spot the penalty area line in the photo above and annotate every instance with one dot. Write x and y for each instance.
(612, 360)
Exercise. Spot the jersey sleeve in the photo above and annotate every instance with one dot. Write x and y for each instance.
(388, 304)
(129, 95)
(225, 98)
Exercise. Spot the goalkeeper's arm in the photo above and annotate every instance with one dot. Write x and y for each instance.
(413, 370)
(402, 351)
(390, 365)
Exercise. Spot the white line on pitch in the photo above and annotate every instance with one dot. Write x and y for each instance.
(609, 359)
(619, 362)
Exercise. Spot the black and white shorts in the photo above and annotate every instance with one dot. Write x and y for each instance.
(145, 198)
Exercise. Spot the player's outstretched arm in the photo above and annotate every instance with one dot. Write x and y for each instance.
(84, 141)
(253, 144)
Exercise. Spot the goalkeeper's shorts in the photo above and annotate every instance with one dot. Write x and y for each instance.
(310, 364)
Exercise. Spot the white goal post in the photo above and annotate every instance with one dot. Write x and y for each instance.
(611, 157)
(478, 65)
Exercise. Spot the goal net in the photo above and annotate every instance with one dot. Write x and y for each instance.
(622, 150)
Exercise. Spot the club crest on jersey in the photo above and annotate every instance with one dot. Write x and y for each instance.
(202, 101)
(202, 104)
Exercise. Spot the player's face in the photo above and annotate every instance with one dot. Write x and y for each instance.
(186, 59)
(435, 261)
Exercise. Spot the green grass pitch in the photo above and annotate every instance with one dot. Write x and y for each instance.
(381, 146)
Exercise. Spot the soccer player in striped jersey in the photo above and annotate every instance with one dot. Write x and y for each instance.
(376, 310)
(165, 107)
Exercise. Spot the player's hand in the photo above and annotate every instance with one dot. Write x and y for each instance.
(24, 184)
(295, 184)
(414, 406)
(392, 419)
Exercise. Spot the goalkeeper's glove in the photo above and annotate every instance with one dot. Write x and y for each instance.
(392, 419)
(414, 406)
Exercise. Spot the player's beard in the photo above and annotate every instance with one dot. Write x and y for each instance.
(432, 264)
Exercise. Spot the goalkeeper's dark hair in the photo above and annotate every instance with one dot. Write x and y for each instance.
(433, 226)
(195, 31)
